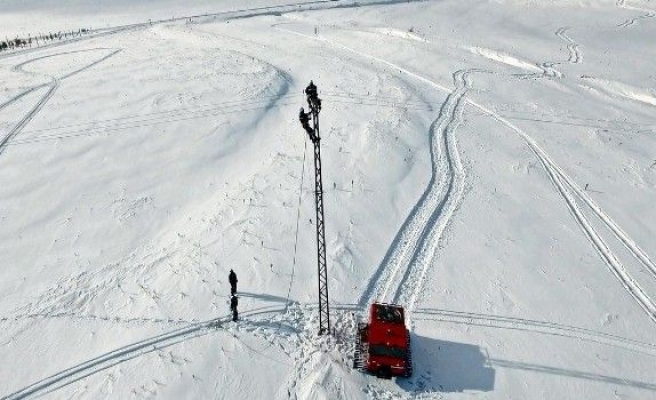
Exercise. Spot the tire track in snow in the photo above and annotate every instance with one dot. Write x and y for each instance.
(20, 96)
(558, 176)
(418, 226)
(126, 353)
(606, 253)
(410, 286)
(96, 318)
(113, 358)
(600, 245)
(533, 326)
(413, 284)
(52, 87)
(18, 68)
(620, 234)
(13, 132)
(564, 185)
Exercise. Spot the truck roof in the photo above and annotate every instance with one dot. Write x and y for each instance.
(387, 325)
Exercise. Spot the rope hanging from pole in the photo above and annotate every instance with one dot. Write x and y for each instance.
(298, 217)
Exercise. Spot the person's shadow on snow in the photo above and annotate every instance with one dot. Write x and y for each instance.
(264, 297)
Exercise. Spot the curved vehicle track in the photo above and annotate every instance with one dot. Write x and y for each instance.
(52, 87)
(123, 354)
(155, 343)
(565, 186)
(410, 286)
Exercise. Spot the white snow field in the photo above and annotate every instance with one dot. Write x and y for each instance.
(489, 165)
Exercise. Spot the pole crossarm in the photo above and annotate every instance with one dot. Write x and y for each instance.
(314, 104)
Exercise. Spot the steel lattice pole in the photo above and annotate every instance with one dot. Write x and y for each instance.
(315, 107)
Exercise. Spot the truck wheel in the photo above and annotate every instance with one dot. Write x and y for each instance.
(408, 358)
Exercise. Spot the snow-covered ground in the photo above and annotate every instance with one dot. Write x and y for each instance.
(489, 165)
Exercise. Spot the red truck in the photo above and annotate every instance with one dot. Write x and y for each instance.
(383, 344)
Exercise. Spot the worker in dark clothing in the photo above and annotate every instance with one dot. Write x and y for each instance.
(232, 277)
(311, 90)
(233, 307)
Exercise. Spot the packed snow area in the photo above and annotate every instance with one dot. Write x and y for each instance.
(490, 165)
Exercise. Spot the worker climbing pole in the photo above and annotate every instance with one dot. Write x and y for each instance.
(313, 132)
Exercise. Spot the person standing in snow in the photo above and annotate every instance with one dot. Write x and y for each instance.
(232, 278)
(233, 307)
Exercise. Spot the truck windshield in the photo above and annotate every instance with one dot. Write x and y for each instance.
(389, 314)
(380, 350)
